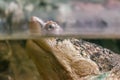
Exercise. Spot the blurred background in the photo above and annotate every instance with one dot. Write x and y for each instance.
(74, 16)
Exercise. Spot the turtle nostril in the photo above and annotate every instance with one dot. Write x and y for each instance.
(33, 18)
(34, 25)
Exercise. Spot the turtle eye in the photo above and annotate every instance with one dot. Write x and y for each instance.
(51, 27)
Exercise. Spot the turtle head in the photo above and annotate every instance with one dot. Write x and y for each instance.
(39, 26)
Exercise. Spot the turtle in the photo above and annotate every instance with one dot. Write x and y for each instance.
(59, 58)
